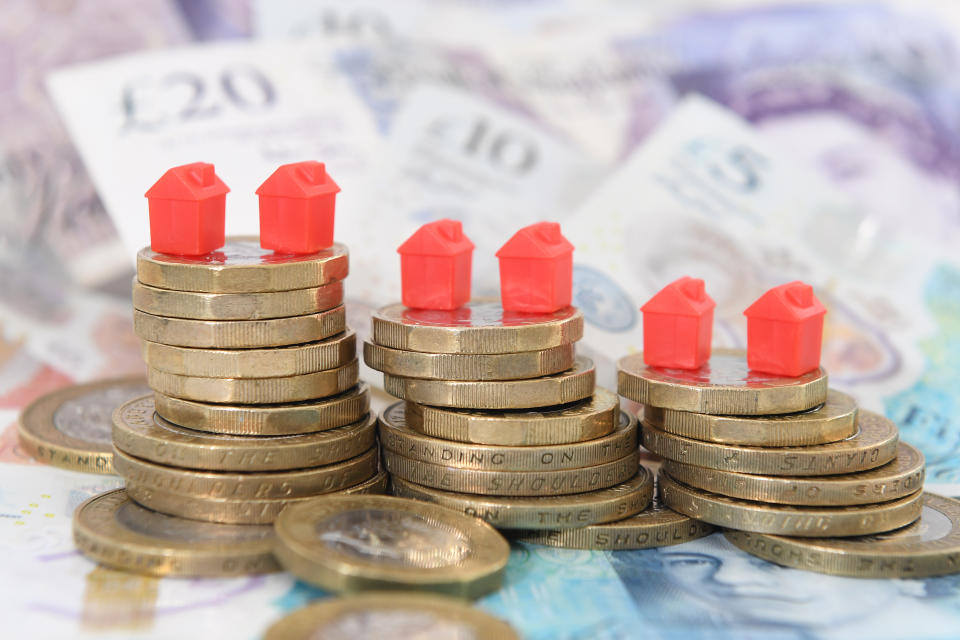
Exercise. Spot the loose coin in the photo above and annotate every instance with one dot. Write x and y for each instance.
(569, 386)
(242, 511)
(512, 483)
(656, 526)
(140, 432)
(243, 486)
(239, 334)
(547, 512)
(928, 547)
(820, 522)
(834, 420)
(586, 419)
(355, 543)
(274, 362)
(236, 306)
(390, 616)
(476, 327)
(896, 479)
(469, 366)
(115, 531)
(267, 420)
(722, 386)
(70, 427)
(874, 444)
(242, 266)
(396, 436)
(308, 386)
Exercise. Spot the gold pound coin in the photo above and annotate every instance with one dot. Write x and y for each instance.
(834, 420)
(928, 547)
(275, 362)
(469, 366)
(390, 616)
(140, 432)
(512, 483)
(70, 427)
(814, 522)
(356, 543)
(874, 444)
(239, 334)
(723, 386)
(242, 511)
(569, 386)
(479, 326)
(546, 512)
(593, 417)
(251, 485)
(242, 266)
(115, 531)
(264, 305)
(896, 479)
(309, 386)
(396, 436)
(267, 420)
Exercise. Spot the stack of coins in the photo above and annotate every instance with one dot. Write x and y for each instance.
(772, 455)
(501, 420)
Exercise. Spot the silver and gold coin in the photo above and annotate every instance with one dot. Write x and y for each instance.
(928, 547)
(356, 543)
(242, 266)
(479, 326)
(115, 531)
(469, 366)
(723, 386)
(70, 427)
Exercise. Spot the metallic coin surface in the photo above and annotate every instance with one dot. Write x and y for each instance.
(396, 436)
(586, 419)
(469, 366)
(569, 386)
(309, 386)
(896, 479)
(390, 615)
(242, 266)
(656, 526)
(140, 432)
(115, 531)
(241, 511)
(273, 362)
(928, 547)
(512, 483)
(70, 427)
(239, 334)
(354, 543)
(196, 305)
(480, 326)
(545, 512)
(723, 386)
(759, 517)
(874, 444)
(243, 486)
(834, 420)
(267, 420)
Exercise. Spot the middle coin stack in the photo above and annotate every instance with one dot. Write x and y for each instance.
(502, 420)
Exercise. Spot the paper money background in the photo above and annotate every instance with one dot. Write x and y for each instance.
(746, 143)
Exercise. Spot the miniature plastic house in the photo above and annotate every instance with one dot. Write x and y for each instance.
(536, 270)
(187, 210)
(297, 208)
(435, 266)
(785, 330)
(678, 325)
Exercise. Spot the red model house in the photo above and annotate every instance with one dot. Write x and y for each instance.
(297, 208)
(785, 330)
(536, 270)
(435, 266)
(187, 210)
(678, 325)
